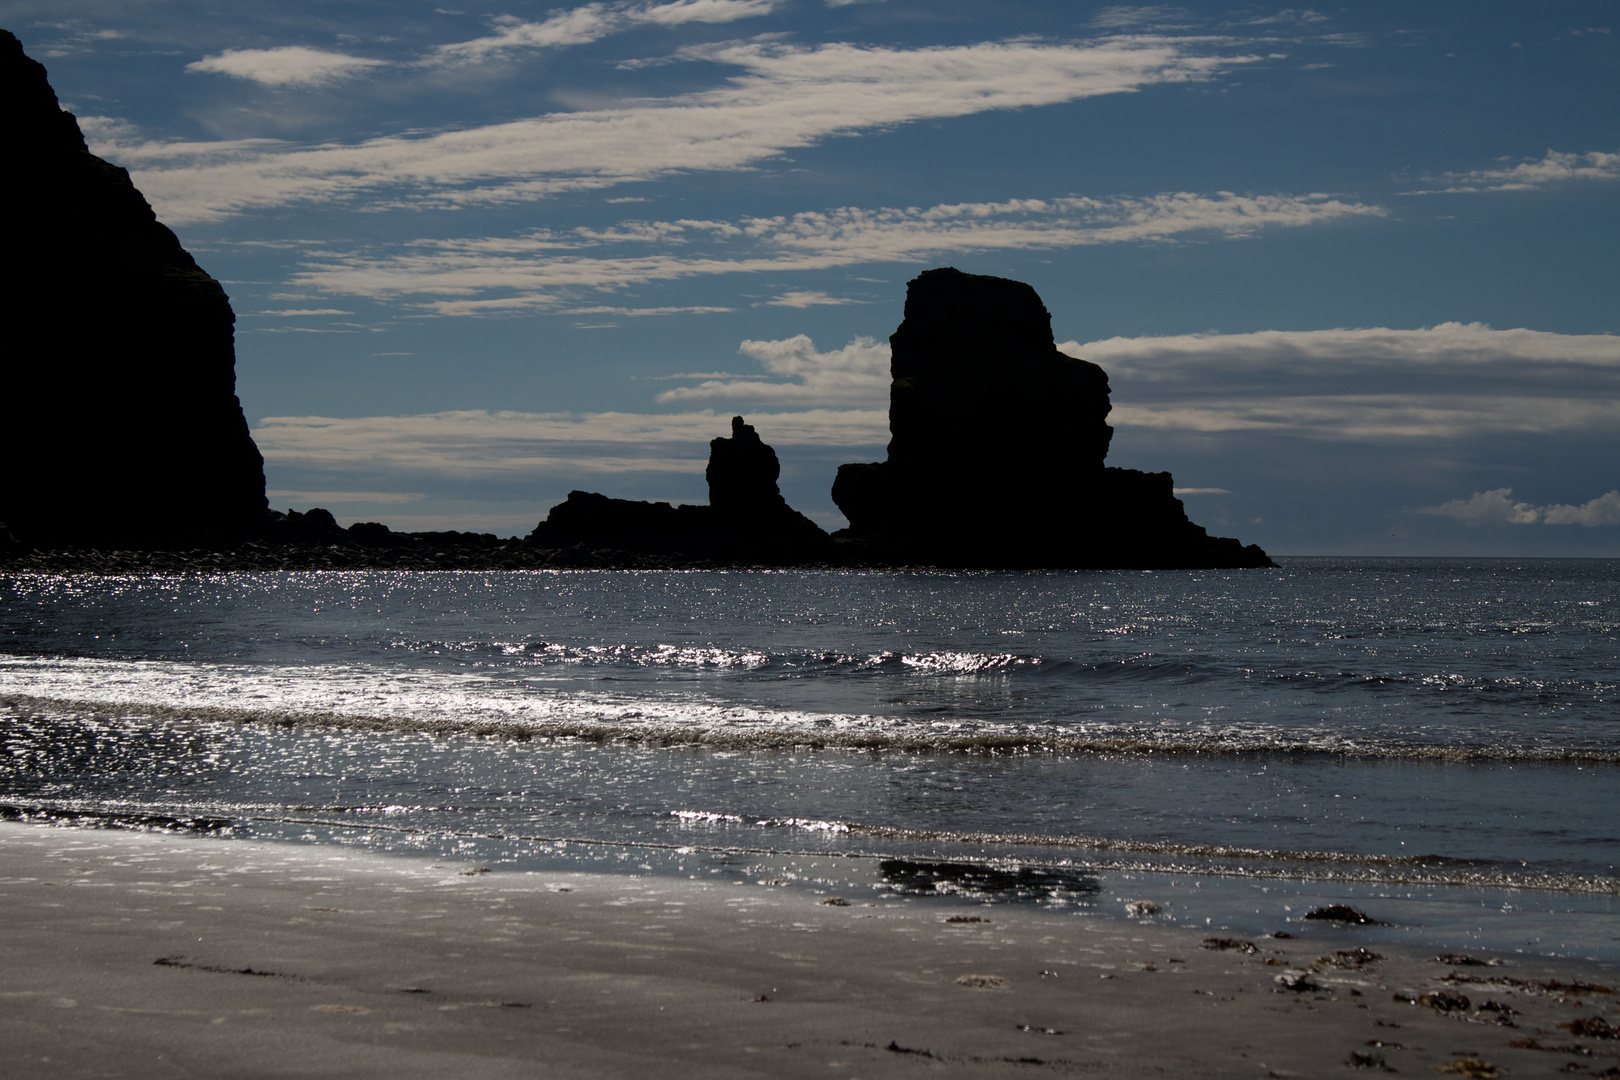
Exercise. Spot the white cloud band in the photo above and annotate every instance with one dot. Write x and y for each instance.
(1447, 381)
(785, 98)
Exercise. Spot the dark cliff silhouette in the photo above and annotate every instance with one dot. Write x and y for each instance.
(746, 519)
(997, 450)
(121, 422)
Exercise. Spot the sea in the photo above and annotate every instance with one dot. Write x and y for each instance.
(1434, 743)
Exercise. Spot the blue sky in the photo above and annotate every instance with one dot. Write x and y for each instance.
(1353, 271)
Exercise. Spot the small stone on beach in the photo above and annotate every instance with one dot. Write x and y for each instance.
(1341, 913)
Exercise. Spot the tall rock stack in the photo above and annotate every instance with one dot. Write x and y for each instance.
(121, 425)
(742, 474)
(997, 449)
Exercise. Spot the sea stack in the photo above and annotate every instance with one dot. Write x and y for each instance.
(997, 450)
(121, 422)
(746, 519)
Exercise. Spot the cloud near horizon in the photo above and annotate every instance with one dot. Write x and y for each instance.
(857, 374)
(1447, 384)
(1454, 380)
(785, 97)
(341, 497)
(479, 444)
(1497, 507)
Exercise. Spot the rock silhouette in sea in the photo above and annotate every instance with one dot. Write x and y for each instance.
(997, 449)
(121, 422)
(746, 519)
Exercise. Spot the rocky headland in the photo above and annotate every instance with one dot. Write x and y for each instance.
(121, 423)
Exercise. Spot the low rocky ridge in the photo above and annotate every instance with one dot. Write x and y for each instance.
(314, 541)
(747, 520)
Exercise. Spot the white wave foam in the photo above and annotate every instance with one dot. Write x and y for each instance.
(503, 702)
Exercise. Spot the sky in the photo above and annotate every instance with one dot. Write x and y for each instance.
(1353, 272)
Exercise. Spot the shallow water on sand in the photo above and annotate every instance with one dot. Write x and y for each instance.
(1357, 724)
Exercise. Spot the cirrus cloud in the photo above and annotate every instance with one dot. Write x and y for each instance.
(535, 271)
(592, 22)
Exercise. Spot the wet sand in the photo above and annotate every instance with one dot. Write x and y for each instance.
(130, 954)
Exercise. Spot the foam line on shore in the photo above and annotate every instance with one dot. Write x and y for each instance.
(620, 723)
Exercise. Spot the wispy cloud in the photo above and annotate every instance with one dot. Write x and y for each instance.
(289, 65)
(703, 11)
(1453, 380)
(1498, 507)
(299, 312)
(1150, 17)
(784, 98)
(1530, 174)
(496, 275)
(857, 374)
(806, 298)
(1285, 17)
(578, 26)
(592, 22)
(634, 312)
(79, 38)
(1450, 347)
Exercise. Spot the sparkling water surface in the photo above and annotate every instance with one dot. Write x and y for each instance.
(1334, 725)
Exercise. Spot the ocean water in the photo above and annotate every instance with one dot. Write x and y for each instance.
(1434, 741)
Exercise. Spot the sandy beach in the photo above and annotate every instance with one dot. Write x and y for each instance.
(134, 954)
